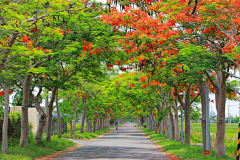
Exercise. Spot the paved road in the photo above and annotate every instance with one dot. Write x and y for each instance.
(125, 143)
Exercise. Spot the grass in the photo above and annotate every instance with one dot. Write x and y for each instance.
(181, 151)
(77, 127)
(88, 136)
(33, 151)
(45, 148)
(78, 135)
(231, 136)
(229, 132)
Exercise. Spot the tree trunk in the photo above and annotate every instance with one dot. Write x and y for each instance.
(42, 120)
(46, 110)
(50, 118)
(75, 115)
(165, 125)
(74, 120)
(158, 127)
(152, 120)
(102, 124)
(173, 126)
(100, 128)
(108, 123)
(83, 117)
(94, 125)
(24, 119)
(5, 122)
(203, 104)
(90, 124)
(220, 135)
(70, 125)
(87, 129)
(176, 126)
(59, 116)
(97, 125)
(187, 124)
(148, 123)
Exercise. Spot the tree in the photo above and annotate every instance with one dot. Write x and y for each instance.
(158, 26)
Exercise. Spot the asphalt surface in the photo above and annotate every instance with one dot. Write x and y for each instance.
(127, 143)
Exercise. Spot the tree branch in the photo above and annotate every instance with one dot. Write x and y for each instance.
(211, 80)
(7, 51)
(94, 94)
(194, 98)
(235, 89)
(179, 98)
(18, 76)
(232, 75)
(39, 93)
(70, 101)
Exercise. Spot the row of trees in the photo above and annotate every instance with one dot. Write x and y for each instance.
(176, 46)
(184, 44)
(51, 46)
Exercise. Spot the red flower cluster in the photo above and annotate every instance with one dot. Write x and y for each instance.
(79, 93)
(110, 65)
(87, 47)
(143, 78)
(2, 93)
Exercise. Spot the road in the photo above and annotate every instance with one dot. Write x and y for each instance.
(127, 143)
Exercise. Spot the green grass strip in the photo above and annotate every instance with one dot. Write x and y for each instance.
(181, 151)
(83, 136)
(33, 151)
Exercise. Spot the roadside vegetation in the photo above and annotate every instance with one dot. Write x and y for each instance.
(182, 151)
(231, 136)
(106, 61)
(57, 144)
(33, 151)
(85, 135)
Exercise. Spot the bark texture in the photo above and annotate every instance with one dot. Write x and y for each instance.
(176, 126)
(165, 126)
(102, 124)
(75, 115)
(186, 104)
(5, 120)
(42, 120)
(70, 125)
(173, 126)
(50, 118)
(83, 116)
(220, 135)
(203, 104)
(94, 125)
(24, 119)
(59, 116)
(220, 98)
(187, 124)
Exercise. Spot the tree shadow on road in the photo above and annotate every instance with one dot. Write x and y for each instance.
(100, 152)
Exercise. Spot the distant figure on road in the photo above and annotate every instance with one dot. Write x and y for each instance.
(116, 125)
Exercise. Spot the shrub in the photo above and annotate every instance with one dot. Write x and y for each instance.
(14, 126)
(144, 125)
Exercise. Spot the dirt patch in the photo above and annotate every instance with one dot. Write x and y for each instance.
(60, 153)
